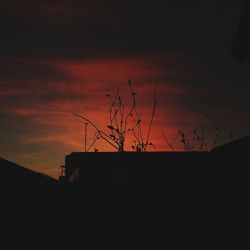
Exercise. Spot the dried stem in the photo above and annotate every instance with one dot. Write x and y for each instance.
(166, 140)
(119, 123)
(101, 133)
(153, 112)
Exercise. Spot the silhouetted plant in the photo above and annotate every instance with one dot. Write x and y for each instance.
(167, 141)
(199, 138)
(220, 135)
(200, 142)
(142, 143)
(120, 123)
(223, 138)
(184, 140)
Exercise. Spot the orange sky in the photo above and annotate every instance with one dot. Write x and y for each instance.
(64, 57)
(85, 93)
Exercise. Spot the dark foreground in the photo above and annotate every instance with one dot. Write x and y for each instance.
(196, 206)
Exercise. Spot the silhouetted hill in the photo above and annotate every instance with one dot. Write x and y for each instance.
(19, 182)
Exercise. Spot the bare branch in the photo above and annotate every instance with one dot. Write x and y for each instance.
(153, 112)
(94, 141)
(166, 140)
(102, 134)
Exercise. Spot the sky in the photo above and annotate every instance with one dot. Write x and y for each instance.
(63, 57)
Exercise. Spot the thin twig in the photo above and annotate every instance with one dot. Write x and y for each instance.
(94, 141)
(165, 138)
(100, 131)
(153, 113)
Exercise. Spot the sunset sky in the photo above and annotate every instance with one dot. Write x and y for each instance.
(63, 57)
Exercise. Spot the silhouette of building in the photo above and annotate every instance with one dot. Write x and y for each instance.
(103, 168)
(236, 147)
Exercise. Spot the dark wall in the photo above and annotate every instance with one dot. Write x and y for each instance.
(137, 167)
(216, 174)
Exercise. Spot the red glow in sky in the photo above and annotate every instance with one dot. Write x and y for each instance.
(64, 57)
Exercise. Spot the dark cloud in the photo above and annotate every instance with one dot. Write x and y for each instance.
(75, 29)
(40, 29)
(20, 70)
